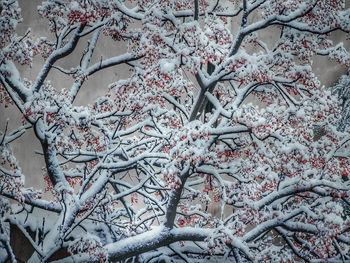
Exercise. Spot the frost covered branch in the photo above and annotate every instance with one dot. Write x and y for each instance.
(205, 150)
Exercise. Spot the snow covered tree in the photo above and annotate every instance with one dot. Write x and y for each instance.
(134, 175)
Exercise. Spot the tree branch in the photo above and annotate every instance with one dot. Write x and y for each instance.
(56, 55)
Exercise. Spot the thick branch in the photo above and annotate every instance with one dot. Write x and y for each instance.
(174, 200)
(196, 9)
(125, 58)
(144, 242)
(49, 206)
(10, 78)
(201, 100)
(56, 55)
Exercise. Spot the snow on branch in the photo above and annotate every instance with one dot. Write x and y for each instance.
(211, 144)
